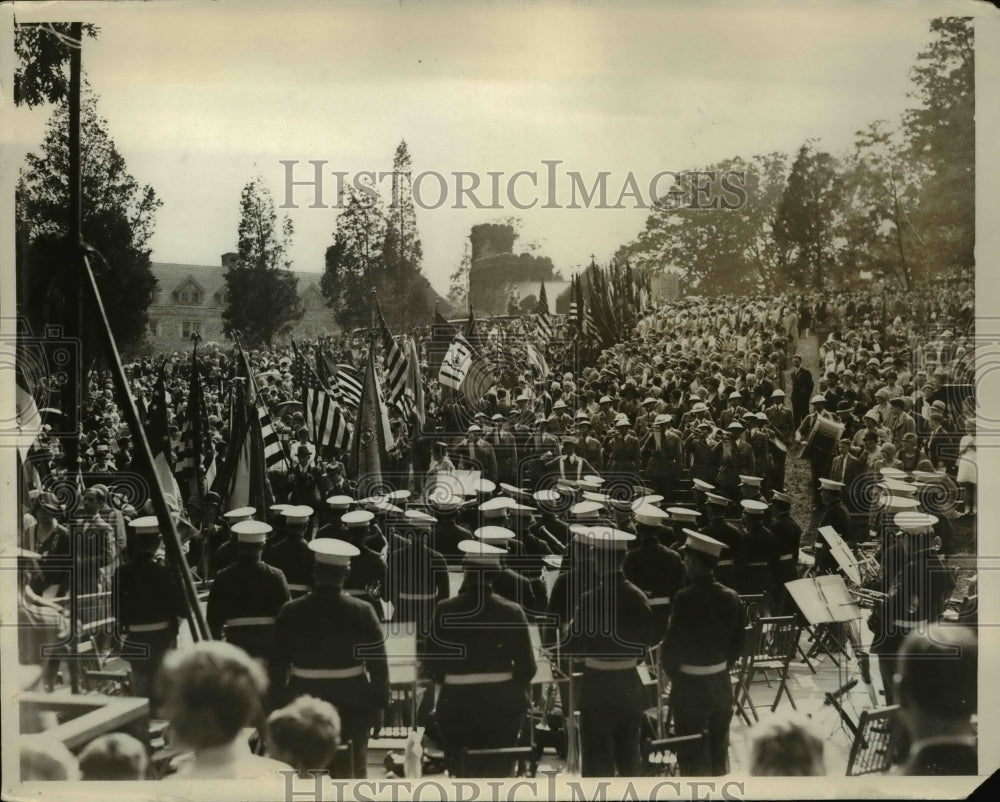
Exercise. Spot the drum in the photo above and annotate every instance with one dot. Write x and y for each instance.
(823, 439)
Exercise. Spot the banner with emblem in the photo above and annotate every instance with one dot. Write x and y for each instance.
(372, 436)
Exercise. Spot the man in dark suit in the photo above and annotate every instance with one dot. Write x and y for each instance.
(802, 390)
(936, 684)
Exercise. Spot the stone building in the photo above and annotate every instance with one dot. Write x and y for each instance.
(191, 298)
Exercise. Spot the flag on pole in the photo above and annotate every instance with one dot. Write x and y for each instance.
(29, 419)
(372, 437)
(325, 419)
(414, 382)
(456, 363)
(542, 319)
(158, 434)
(197, 457)
(478, 379)
(574, 309)
(343, 381)
(537, 360)
(396, 370)
(274, 453)
(442, 335)
(243, 481)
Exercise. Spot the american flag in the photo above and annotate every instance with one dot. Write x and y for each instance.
(197, 456)
(542, 318)
(395, 371)
(574, 309)
(273, 451)
(324, 416)
(341, 380)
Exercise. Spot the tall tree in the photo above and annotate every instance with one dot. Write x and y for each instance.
(941, 134)
(119, 218)
(880, 192)
(458, 281)
(263, 292)
(402, 247)
(354, 263)
(806, 220)
(43, 50)
(726, 247)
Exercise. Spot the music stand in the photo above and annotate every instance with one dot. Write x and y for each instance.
(841, 552)
(824, 600)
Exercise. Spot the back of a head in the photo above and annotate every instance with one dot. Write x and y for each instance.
(45, 758)
(938, 672)
(786, 746)
(305, 734)
(211, 691)
(115, 756)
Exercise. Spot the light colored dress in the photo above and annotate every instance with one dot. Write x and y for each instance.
(967, 472)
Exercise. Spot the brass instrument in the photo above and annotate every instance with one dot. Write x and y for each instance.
(867, 597)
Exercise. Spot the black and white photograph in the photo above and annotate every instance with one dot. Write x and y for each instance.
(498, 400)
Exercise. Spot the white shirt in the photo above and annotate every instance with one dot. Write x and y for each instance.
(232, 761)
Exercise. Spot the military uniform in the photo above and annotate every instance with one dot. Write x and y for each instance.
(480, 654)
(622, 452)
(659, 573)
(611, 629)
(788, 540)
(661, 458)
(329, 645)
(732, 561)
(367, 579)
(417, 579)
(705, 636)
(148, 604)
(292, 556)
(243, 603)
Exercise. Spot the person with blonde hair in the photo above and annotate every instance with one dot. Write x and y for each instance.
(305, 734)
(211, 692)
(786, 746)
(115, 756)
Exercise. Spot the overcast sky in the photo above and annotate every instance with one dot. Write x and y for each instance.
(201, 98)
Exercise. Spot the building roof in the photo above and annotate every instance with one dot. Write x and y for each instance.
(211, 278)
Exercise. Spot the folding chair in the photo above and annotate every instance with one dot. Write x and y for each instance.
(875, 742)
(658, 758)
(737, 673)
(511, 756)
(755, 606)
(776, 640)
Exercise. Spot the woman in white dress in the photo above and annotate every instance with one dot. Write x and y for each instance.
(967, 474)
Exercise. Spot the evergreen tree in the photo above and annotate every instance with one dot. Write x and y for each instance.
(119, 217)
(263, 292)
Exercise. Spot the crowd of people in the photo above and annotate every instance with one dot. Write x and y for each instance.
(621, 506)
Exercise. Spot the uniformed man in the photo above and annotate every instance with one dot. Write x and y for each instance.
(551, 527)
(611, 629)
(529, 558)
(148, 605)
(588, 446)
(656, 570)
(506, 582)
(417, 574)
(541, 446)
(781, 420)
(734, 458)
(449, 532)
(821, 455)
(761, 552)
(833, 512)
(480, 654)
(246, 596)
(329, 644)
(732, 561)
(290, 553)
(367, 577)
(661, 456)
(788, 541)
(704, 639)
(700, 453)
(505, 448)
(621, 452)
(679, 519)
(225, 554)
(334, 527)
(916, 595)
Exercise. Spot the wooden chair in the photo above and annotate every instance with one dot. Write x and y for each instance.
(875, 742)
(775, 642)
(661, 758)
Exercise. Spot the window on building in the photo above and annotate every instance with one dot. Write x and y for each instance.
(153, 328)
(189, 296)
(189, 327)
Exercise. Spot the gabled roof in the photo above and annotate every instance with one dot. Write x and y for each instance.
(189, 281)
